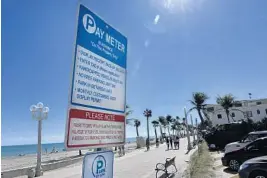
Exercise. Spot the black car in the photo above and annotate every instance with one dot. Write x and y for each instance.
(254, 149)
(226, 133)
(254, 168)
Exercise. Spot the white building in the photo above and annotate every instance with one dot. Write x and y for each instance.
(255, 109)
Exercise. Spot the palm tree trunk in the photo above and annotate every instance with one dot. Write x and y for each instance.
(137, 133)
(200, 116)
(148, 133)
(156, 133)
(160, 130)
(227, 113)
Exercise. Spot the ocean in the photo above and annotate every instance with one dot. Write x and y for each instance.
(16, 150)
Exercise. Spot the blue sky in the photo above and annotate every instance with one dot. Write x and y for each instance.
(175, 47)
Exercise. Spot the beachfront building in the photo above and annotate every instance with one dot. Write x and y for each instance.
(254, 109)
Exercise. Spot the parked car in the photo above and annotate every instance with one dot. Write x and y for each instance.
(226, 133)
(255, 149)
(244, 141)
(254, 168)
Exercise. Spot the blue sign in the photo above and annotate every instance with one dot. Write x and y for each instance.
(99, 70)
(98, 165)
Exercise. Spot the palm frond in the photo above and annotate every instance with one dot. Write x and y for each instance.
(155, 123)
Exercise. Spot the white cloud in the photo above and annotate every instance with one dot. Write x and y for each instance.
(147, 43)
(176, 6)
(137, 66)
(156, 19)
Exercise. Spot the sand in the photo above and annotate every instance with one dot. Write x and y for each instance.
(16, 162)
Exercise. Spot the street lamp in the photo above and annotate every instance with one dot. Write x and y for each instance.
(189, 147)
(39, 113)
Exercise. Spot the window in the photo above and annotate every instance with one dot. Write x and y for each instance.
(258, 103)
(233, 114)
(210, 109)
(262, 144)
(219, 116)
(258, 145)
(266, 111)
(248, 114)
(258, 111)
(238, 104)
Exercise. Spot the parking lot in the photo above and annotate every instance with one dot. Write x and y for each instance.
(220, 170)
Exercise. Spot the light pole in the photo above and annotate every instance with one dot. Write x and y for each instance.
(189, 147)
(194, 138)
(39, 113)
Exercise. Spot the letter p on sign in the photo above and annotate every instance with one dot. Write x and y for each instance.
(99, 166)
(89, 23)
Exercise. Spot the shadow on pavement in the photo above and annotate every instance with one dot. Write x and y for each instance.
(228, 170)
(188, 151)
(167, 175)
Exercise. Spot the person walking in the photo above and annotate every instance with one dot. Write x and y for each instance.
(177, 142)
(147, 144)
(168, 143)
(171, 142)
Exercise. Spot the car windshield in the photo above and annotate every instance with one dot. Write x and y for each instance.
(250, 138)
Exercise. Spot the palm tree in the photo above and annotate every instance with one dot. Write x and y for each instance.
(137, 124)
(155, 125)
(148, 114)
(169, 120)
(198, 102)
(173, 128)
(176, 125)
(226, 101)
(163, 122)
(128, 110)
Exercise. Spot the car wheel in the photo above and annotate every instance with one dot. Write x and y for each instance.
(258, 174)
(234, 165)
(212, 146)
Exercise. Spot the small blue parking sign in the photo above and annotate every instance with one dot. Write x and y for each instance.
(98, 165)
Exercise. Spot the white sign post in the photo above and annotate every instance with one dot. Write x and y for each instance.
(96, 111)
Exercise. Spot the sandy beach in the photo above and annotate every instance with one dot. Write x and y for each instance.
(16, 162)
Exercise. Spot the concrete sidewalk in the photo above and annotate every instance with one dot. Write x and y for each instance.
(137, 164)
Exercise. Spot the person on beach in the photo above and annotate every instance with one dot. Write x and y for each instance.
(171, 142)
(123, 150)
(176, 142)
(157, 142)
(147, 144)
(168, 143)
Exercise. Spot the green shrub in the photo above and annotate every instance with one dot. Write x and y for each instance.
(200, 164)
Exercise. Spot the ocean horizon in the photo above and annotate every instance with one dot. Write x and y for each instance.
(17, 150)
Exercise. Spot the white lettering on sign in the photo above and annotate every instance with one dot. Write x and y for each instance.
(90, 26)
(91, 131)
(115, 43)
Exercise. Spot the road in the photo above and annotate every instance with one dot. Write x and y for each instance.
(136, 164)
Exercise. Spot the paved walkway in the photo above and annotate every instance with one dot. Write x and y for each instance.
(137, 164)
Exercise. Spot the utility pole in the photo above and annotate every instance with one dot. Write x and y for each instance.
(189, 147)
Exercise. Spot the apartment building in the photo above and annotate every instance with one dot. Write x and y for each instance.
(254, 109)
